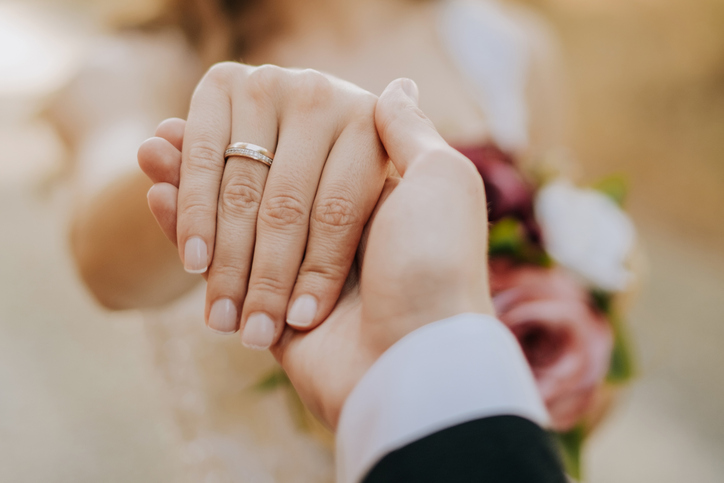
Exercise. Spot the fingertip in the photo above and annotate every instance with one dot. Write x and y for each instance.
(259, 332)
(303, 312)
(405, 131)
(145, 156)
(409, 87)
(162, 198)
(196, 255)
(223, 316)
(149, 196)
(172, 130)
(402, 87)
(162, 203)
(160, 160)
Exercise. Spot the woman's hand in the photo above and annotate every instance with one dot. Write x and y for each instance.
(278, 241)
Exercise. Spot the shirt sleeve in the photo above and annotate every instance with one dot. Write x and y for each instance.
(459, 369)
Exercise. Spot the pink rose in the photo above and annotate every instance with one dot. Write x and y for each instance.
(566, 340)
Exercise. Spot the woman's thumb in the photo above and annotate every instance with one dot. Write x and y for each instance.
(404, 129)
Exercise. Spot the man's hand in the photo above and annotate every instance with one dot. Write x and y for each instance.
(425, 259)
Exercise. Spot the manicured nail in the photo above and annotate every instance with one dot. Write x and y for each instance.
(258, 332)
(410, 88)
(222, 316)
(195, 255)
(303, 311)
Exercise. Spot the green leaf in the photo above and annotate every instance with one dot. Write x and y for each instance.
(615, 187)
(571, 447)
(536, 256)
(622, 366)
(272, 380)
(602, 300)
(506, 238)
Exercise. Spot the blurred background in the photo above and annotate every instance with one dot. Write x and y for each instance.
(646, 81)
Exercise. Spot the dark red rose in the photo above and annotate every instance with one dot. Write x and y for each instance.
(508, 193)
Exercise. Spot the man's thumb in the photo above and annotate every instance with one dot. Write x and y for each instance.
(404, 129)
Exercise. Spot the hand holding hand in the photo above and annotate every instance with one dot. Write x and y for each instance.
(424, 251)
(425, 259)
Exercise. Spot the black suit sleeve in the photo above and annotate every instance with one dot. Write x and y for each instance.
(501, 449)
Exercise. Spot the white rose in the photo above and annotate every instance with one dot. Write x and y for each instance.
(586, 232)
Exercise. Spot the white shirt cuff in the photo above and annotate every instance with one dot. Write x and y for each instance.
(459, 369)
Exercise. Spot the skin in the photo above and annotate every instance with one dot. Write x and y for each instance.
(422, 260)
(353, 39)
(403, 282)
(120, 253)
(282, 232)
(314, 201)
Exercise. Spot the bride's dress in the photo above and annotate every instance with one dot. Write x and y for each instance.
(232, 430)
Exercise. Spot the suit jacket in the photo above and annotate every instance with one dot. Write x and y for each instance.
(500, 449)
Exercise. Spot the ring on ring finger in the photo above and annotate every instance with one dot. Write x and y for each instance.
(248, 150)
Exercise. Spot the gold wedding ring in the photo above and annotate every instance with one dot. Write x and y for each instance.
(248, 150)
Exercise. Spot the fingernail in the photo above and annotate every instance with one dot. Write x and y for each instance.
(259, 331)
(303, 311)
(195, 255)
(222, 316)
(410, 88)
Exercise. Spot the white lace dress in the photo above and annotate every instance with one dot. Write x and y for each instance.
(232, 430)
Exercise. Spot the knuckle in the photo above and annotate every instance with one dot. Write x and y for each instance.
(240, 194)
(222, 72)
(194, 205)
(267, 72)
(328, 272)
(335, 212)
(205, 154)
(283, 210)
(364, 106)
(262, 80)
(227, 272)
(312, 89)
(267, 283)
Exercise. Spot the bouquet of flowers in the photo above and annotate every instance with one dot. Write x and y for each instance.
(560, 259)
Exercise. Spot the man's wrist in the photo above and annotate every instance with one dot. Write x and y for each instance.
(448, 372)
(408, 321)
